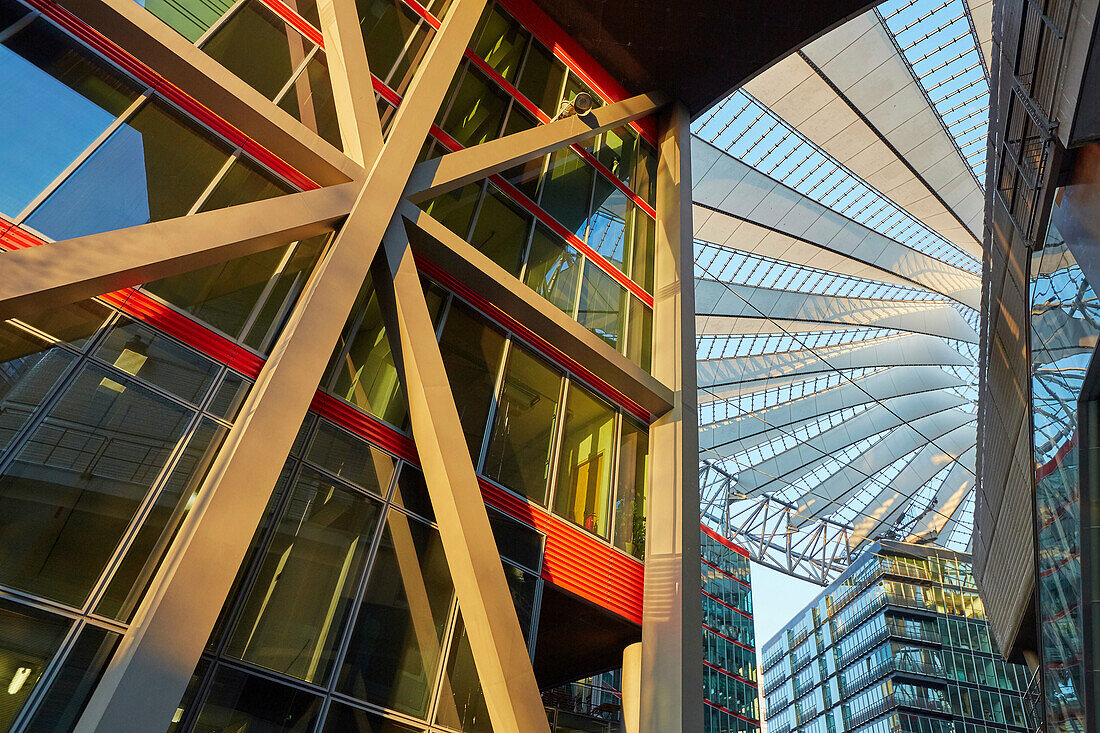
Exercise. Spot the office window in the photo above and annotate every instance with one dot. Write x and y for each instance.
(542, 78)
(472, 350)
(583, 490)
(566, 190)
(30, 368)
(67, 498)
(55, 99)
(138, 350)
(645, 172)
(603, 304)
(309, 100)
(500, 41)
(519, 449)
(501, 231)
(154, 167)
(259, 47)
(395, 38)
(642, 252)
(293, 617)
(639, 341)
(455, 209)
(28, 640)
(616, 152)
(395, 653)
(477, 110)
(239, 701)
(608, 226)
(343, 718)
(351, 458)
(553, 268)
(630, 489)
(74, 682)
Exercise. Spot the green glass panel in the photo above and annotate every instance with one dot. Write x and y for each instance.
(641, 266)
(583, 491)
(616, 152)
(309, 100)
(154, 167)
(639, 340)
(471, 350)
(630, 489)
(500, 41)
(395, 38)
(293, 617)
(477, 110)
(519, 449)
(75, 681)
(501, 231)
(394, 653)
(553, 269)
(189, 18)
(364, 373)
(526, 176)
(455, 209)
(645, 172)
(351, 458)
(259, 47)
(542, 78)
(567, 189)
(28, 640)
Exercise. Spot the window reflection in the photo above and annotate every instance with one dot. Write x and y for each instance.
(28, 640)
(553, 269)
(154, 167)
(630, 488)
(500, 41)
(75, 485)
(519, 449)
(258, 47)
(477, 110)
(74, 682)
(309, 100)
(602, 308)
(567, 189)
(501, 231)
(395, 645)
(583, 487)
(74, 95)
(472, 350)
(608, 226)
(239, 701)
(292, 618)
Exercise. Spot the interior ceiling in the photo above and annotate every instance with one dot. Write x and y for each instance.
(698, 52)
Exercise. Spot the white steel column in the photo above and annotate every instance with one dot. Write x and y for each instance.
(672, 647)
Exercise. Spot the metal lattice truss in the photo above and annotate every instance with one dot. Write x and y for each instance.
(837, 286)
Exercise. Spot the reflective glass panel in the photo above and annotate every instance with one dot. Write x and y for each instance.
(630, 489)
(411, 492)
(607, 228)
(245, 181)
(471, 350)
(154, 167)
(70, 690)
(583, 489)
(455, 209)
(74, 97)
(519, 449)
(309, 100)
(28, 640)
(395, 647)
(553, 268)
(343, 718)
(639, 342)
(645, 172)
(566, 190)
(142, 352)
(73, 488)
(525, 176)
(641, 268)
(190, 18)
(259, 47)
(293, 617)
(389, 28)
(542, 78)
(365, 374)
(500, 41)
(602, 305)
(29, 367)
(617, 152)
(501, 231)
(352, 459)
(516, 541)
(142, 559)
(477, 110)
(238, 701)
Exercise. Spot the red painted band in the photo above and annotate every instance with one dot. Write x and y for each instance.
(720, 602)
(296, 21)
(746, 647)
(726, 672)
(724, 540)
(727, 710)
(725, 572)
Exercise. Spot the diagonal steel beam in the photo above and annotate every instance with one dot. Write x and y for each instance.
(65, 272)
(500, 653)
(352, 86)
(147, 677)
(454, 170)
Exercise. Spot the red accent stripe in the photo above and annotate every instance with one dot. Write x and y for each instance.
(423, 13)
(538, 342)
(724, 540)
(535, 210)
(719, 601)
(724, 572)
(727, 710)
(1049, 467)
(71, 23)
(296, 21)
(573, 560)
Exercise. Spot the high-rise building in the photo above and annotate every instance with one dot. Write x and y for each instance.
(898, 643)
(346, 361)
(1035, 522)
(730, 697)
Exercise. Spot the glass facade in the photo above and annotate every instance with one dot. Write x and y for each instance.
(898, 643)
(342, 616)
(1064, 332)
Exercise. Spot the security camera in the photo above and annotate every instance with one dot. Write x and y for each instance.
(582, 104)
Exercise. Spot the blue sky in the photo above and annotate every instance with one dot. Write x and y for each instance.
(776, 598)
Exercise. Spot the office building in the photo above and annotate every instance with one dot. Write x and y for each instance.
(346, 377)
(900, 642)
(1036, 433)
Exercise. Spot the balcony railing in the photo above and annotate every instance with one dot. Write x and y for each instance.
(773, 658)
(895, 700)
(769, 687)
(886, 667)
